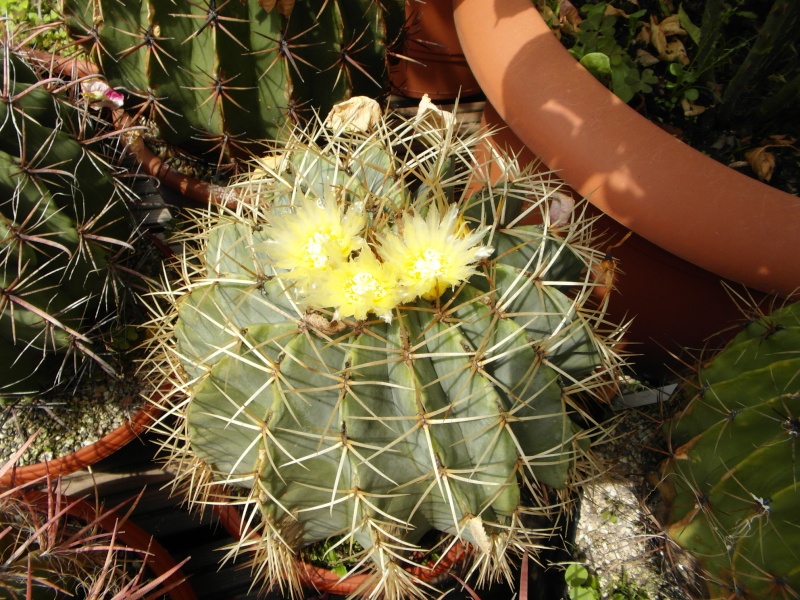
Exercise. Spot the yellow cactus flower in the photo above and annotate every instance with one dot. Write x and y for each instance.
(356, 288)
(433, 253)
(315, 238)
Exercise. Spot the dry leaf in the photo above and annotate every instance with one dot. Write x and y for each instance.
(690, 109)
(761, 161)
(782, 139)
(657, 37)
(671, 50)
(644, 58)
(643, 37)
(613, 11)
(672, 26)
(560, 208)
(267, 5)
(359, 113)
(676, 51)
(432, 115)
(556, 24)
(570, 14)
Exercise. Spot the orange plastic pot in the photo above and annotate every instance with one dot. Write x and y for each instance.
(86, 456)
(431, 60)
(652, 183)
(695, 221)
(326, 581)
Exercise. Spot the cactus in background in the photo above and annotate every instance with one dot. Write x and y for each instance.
(54, 547)
(214, 77)
(732, 481)
(369, 351)
(65, 229)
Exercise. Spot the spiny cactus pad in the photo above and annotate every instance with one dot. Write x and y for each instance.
(65, 228)
(733, 477)
(369, 351)
(216, 76)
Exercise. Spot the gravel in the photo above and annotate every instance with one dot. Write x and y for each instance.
(618, 535)
(68, 419)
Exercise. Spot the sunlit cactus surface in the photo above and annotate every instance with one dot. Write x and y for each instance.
(371, 349)
(733, 479)
(212, 77)
(66, 230)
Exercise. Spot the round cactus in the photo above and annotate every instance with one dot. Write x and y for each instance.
(65, 228)
(213, 77)
(732, 481)
(371, 351)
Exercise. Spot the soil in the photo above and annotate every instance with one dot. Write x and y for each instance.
(69, 417)
(724, 137)
(618, 534)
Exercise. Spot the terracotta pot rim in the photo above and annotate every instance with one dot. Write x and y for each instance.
(114, 440)
(325, 580)
(158, 560)
(622, 162)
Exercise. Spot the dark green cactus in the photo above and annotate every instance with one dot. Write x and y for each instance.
(215, 77)
(733, 479)
(338, 413)
(65, 230)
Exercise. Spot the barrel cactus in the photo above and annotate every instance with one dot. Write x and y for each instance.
(732, 480)
(373, 349)
(65, 229)
(213, 77)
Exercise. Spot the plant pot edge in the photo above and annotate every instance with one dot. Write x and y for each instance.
(619, 160)
(325, 580)
(159, 561)
(87, 455)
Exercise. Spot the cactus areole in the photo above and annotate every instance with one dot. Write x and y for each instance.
(370, 352)
(732, 481)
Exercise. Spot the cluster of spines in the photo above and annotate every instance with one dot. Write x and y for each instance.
(216, 77)
(66, 233)
(329, 406)
(732, 479)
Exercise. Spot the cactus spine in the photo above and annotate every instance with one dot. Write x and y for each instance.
(54, 547)
(338, 412)
(732, 480)
(216, 76)
(65, 229)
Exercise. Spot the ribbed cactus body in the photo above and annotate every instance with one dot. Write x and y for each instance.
(734, 474)
(217, 75)
(436, 416)
(63, 226)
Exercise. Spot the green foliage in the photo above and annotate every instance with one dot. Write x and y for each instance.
(214, 78)
(737, 62)
(732, 482)
(39, 19)
(65, 232)
(449, 413)
(598, 49)
(583, 584)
